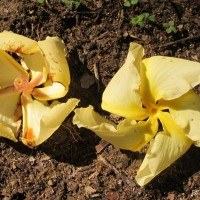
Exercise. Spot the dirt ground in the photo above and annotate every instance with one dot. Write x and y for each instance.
(74, 163)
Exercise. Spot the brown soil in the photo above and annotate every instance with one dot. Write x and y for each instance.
(97, 36)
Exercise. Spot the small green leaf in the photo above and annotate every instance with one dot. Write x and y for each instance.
(171, 23)
(141, 24)
(40, 1)
(145, 15)
(151, 18)
(127, 4)
(134, 2)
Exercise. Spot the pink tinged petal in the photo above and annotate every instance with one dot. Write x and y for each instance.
(35, 62)
(122, 95)
(40, 120)
(126, 135)
(10, 113)
(10, 70)
(185, 111)
(166, 148)
(53, 50)
(170, 78)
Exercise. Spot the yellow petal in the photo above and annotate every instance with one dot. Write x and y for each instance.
(54, 91)
(9, 113)
(136, 54)
(53, 49)
(186, 113)
(28, 49)
(16, 43)
(9, 70)
(35, 62)
(170, 78)
(126, 135)
(40, 120)
(7, 132)
(122, 95)
(166, 148)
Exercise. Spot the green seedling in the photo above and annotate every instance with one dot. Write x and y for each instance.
(129, 3)
(72, 3)
(169, 27)
(140, 20)
(40, 1)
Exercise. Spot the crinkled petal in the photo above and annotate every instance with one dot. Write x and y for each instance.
(28, 49)
(122, 95)
(170, 78)
(166, 148)
(186, 113)
(126, 135)
(10, 113)
(35, 62)
(16, 43)
(53, 49)
(40, 120)
(9, 70)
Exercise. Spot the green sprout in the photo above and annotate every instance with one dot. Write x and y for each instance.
(40, 1)
(129, 3)
(72, 3)
(169, 27)
(140, 20)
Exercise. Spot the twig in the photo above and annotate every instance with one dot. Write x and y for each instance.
(179, 41)
(96, 74)
(101, 146)
(116, 171)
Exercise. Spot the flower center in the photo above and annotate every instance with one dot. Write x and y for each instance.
(153, 110)
(21, 84)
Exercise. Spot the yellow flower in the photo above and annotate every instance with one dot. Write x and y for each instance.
(24, 89)
(148, 92)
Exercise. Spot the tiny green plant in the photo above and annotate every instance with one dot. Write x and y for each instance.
(40, 1)
(169, 27)
(140, 20)
(72, 3)
(129, 3)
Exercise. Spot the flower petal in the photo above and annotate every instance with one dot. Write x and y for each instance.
(185, 111)
(16, 43)
(35, 62)
(40, 121)
(53, 49)
(122, 95)
(166, 148)
(28, 49)
(54, 91)
(170, 78)
(126, 135)
(9, 113)
(9, 70)
(7, 132)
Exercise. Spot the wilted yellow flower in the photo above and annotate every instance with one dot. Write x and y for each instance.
(24, 89)
(148, 92)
